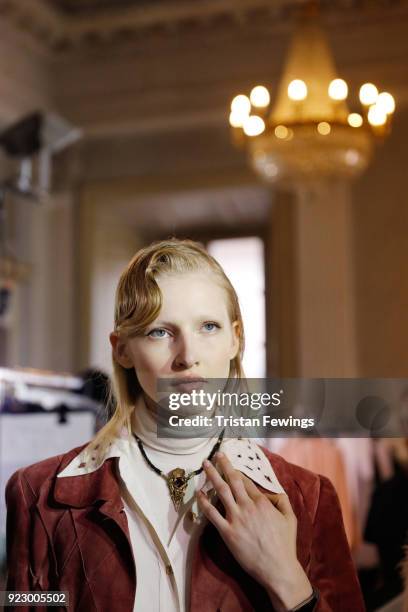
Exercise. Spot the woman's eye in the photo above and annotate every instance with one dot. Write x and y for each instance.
(212, 325)
(157, 333)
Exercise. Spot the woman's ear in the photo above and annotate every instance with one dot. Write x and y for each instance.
(120, 351)
(236, 334)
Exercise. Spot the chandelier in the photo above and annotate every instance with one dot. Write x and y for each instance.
(315, 126)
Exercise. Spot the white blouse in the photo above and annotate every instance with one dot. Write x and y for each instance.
(162, 539)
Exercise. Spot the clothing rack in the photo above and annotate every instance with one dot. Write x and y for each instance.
(42, 414)
(47, 378)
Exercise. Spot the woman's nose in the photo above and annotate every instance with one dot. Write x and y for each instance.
(186, 353)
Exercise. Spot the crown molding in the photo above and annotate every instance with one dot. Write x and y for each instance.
(37, 18)
(59, 31)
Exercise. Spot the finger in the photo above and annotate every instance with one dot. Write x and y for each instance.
(222, 488)
(211, 512)
(234, 478)
(282, 503)
(252, 490)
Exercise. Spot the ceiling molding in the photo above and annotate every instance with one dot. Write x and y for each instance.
(35, 17)
(57, 29)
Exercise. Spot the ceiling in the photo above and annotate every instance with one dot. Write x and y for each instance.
(81, 7)
(63, 24)
(88, 7)
(142, 67)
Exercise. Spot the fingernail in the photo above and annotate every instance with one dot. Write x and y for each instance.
(206, 463)
(220, 455)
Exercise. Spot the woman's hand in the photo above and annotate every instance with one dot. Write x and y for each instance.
(260, 531)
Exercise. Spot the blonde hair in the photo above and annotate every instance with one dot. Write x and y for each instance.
(138, 301)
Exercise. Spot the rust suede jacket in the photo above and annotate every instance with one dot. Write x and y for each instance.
(71, 534)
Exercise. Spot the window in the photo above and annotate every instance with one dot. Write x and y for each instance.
(243, 262)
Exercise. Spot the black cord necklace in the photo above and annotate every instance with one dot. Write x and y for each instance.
(177, 479)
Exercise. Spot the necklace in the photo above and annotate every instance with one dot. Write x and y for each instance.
(177, 479)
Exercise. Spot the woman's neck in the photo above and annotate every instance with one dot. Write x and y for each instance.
(144, 424)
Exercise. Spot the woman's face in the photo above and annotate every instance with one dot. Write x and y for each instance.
(192, 335)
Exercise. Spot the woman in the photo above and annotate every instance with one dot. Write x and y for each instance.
(129, 520)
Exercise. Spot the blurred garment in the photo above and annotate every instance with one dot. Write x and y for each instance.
(359, 464)
(404, 572)
(395, 605)
(321, 455)
(383, 457)
(387, 528)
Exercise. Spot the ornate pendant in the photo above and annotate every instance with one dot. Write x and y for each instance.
(177, 482)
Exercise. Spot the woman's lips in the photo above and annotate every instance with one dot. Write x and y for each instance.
(188, 384)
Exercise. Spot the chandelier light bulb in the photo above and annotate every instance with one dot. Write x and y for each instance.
(324, 128)
(338, 89)
(281, 131)
(253, 125)
(355, 120)
(260, 97)
(368, 94)
(297, 90)
(236, 119)
(376, 115)
(386, 101)
(352, 157)
(241, 105)
(271, 170)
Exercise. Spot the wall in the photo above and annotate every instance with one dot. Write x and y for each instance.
(380, 210)
(106, 243)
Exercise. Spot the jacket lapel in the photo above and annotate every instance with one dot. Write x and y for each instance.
(93, 535)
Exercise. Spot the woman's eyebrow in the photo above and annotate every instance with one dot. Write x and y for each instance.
(202, 317)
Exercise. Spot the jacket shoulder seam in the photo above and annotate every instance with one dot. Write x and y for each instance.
(24, 473)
